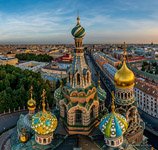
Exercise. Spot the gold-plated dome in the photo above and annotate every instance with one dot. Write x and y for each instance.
(44, 122)
(124, 77)
(31, 104)
(23, 137)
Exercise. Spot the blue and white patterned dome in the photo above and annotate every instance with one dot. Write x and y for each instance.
(58, 93)
(113, 125)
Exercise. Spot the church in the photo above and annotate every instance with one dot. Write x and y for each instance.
(81, 104)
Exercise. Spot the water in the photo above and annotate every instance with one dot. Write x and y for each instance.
(152, 139)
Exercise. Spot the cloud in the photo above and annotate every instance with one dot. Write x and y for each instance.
(55, 23)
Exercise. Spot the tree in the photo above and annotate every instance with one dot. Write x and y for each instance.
(15, 85)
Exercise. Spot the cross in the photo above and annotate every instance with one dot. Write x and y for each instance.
(43, 100)
(43, 95)
(31, 91)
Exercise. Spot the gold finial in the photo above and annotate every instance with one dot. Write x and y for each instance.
(112, 104)
(124, 51)
(31, 91)
(43, 100)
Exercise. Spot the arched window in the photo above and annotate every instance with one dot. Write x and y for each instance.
(40, 140)
(78, 116)
(125, 95)
(85, 80)
(88, 77)
(112, 143)
(122, 95)
(69, 77)
(92, 113)
(118, 94)
(44, 140)
(129, 95)
(78, 79)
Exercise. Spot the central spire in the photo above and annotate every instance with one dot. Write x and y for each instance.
(79, 73)
(124, 52)
(78, 20)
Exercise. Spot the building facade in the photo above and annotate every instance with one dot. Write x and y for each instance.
(147, 97)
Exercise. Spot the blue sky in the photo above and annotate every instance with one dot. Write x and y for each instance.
(105, 21)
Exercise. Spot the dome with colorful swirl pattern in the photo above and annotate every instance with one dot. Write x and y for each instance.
(113, 125)
(78, 31)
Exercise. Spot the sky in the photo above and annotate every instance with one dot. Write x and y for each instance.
(105, 21)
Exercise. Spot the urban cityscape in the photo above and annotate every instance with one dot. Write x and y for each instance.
(78, 75)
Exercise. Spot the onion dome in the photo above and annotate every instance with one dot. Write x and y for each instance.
(78, 31)
(58, 92)
(44, 122)
(31, 104)
(101, 92)
(113, 126)
(124, 77)
(23, 137)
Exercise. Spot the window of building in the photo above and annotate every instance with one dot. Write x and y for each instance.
(78, 79)
(112, 143)
(44, 140)
(78, 117)
(88, 77)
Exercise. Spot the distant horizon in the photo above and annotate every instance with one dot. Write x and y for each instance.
(47, 21)
(29, 43)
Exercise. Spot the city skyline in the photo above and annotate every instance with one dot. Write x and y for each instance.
(39, 21)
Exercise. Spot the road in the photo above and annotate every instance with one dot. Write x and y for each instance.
(103, 79)
(8, 121)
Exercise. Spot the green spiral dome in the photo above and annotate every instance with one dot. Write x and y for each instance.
(78, 31)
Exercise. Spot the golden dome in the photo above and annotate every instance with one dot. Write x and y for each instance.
(31, 104)
(124, 77)
(44, 122)
(23, 136)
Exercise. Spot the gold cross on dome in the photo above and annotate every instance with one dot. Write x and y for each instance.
(43, 100)
(31, 91)
(112, 104)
